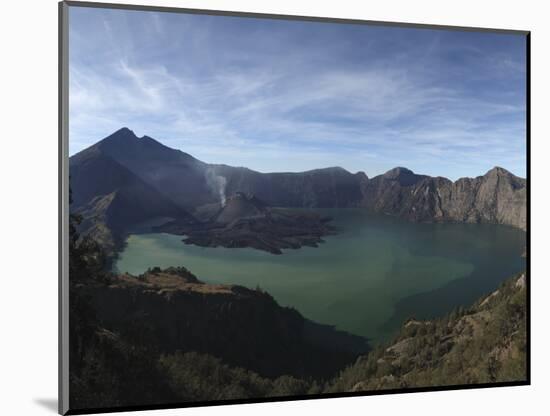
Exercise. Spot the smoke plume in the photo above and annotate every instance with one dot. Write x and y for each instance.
(216, 183)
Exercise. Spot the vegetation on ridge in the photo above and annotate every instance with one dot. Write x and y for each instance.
(485, 343)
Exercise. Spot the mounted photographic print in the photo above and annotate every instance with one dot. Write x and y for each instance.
(262, 208)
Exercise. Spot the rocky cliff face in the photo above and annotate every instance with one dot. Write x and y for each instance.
(496, 197)
(176, 312)
(320, 188)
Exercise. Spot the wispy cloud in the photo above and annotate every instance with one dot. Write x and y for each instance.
(294, 96)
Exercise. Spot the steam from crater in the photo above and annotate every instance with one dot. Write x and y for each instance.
(216, 183)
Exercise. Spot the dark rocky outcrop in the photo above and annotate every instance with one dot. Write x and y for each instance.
(240, 206)
(245, 221)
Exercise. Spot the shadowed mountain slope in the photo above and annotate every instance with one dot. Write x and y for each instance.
(177, 175)
(191, 183)
(110, 199)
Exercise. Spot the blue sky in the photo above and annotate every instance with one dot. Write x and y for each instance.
(276, 95)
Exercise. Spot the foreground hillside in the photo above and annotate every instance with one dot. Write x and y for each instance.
(484, 343)
(189, 341)
(245, 327)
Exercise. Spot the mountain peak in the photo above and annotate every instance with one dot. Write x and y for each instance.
(397, 172)
(240, 205)
(333, 169)
(124, 141)
(150, 141)
(497, 170)
(404, 176)
(124, 132)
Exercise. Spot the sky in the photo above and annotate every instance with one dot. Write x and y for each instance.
(278, 95)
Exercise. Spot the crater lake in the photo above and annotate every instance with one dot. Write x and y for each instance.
(368, 279)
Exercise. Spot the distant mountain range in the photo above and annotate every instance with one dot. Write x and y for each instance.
(124, 180)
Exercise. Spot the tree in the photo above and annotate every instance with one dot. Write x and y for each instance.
(87, 261)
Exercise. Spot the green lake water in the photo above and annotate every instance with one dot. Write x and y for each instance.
(370, 277)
